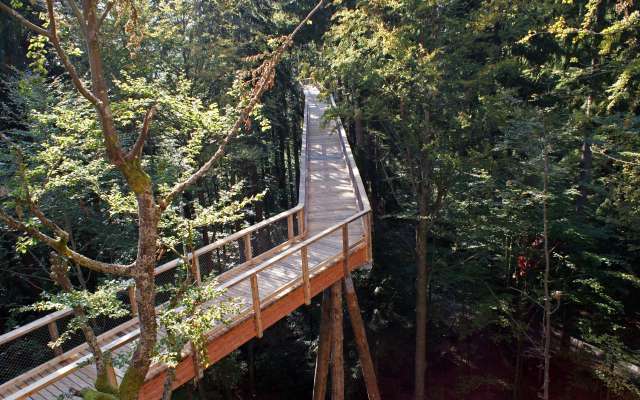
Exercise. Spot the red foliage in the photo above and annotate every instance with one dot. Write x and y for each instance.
(524, 265)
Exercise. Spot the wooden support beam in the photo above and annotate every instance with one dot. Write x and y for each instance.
(360, 337)
(304, 256)
(290, 227)
(337, 357)
(220, 345)
(345, 249)
(197, 364)
(54, 334)
(248, 251)
(131, 290)
(369, 235)
(324, 349)
(255, 295)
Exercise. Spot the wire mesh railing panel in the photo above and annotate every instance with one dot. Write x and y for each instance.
(32, 349)
(25, 353)
(103, 324)
(164, 280)
(75, 338)
(208, 264)
(278, 232)
(228, 256)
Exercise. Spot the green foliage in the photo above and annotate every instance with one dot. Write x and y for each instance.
(102, 302)
(198, 309)
(482, 88)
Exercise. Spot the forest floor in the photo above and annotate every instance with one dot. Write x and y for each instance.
(476, 369)
(482, 370)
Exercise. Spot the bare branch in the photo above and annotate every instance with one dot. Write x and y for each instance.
(27, 192)
(75, 78)
(136, 150)
(61, 248)
(13, 13)
(60, 275)
(267, 70)
(60, 244)
(64, 235)
(105, 13)
(78, 14)
(604, 153)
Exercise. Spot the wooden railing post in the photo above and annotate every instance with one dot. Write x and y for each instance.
(290, 227)
(54, 334)
(248, 251)
(304, 256)
(255, 294)
(196, 268)
(301, 222)
(131, 290)
(345, 249)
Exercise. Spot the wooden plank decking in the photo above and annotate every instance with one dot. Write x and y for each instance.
(332, 193)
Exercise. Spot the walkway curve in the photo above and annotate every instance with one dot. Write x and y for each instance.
(331, 220)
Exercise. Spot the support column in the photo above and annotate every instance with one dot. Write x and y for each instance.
(360, 337)
(337, 357)
(324, 349)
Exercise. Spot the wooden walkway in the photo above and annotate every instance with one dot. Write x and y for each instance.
(331, 220)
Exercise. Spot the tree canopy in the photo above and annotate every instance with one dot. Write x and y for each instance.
(498, 141)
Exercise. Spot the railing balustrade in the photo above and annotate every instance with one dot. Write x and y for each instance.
(296, 244)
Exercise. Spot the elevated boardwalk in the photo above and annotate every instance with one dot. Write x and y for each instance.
(331, 223)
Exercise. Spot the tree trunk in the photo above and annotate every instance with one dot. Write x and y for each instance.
(296, 160)
(422, 279)
(518, 368)
(204, 230)
(324, 348)
(586, 162)
(547, 299)
(254, 188)
(290, 177)
(337, 357)
(143, 275)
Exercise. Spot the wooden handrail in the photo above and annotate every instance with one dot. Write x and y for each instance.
(256, 304)
(245, 235)
(32, 326)
(299, 209)
(361, 194)
(294, 249)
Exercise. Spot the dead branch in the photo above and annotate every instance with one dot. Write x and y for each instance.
(265, 81)
(78, 14)
(75, 78)
(105, 13)
(605, 154)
